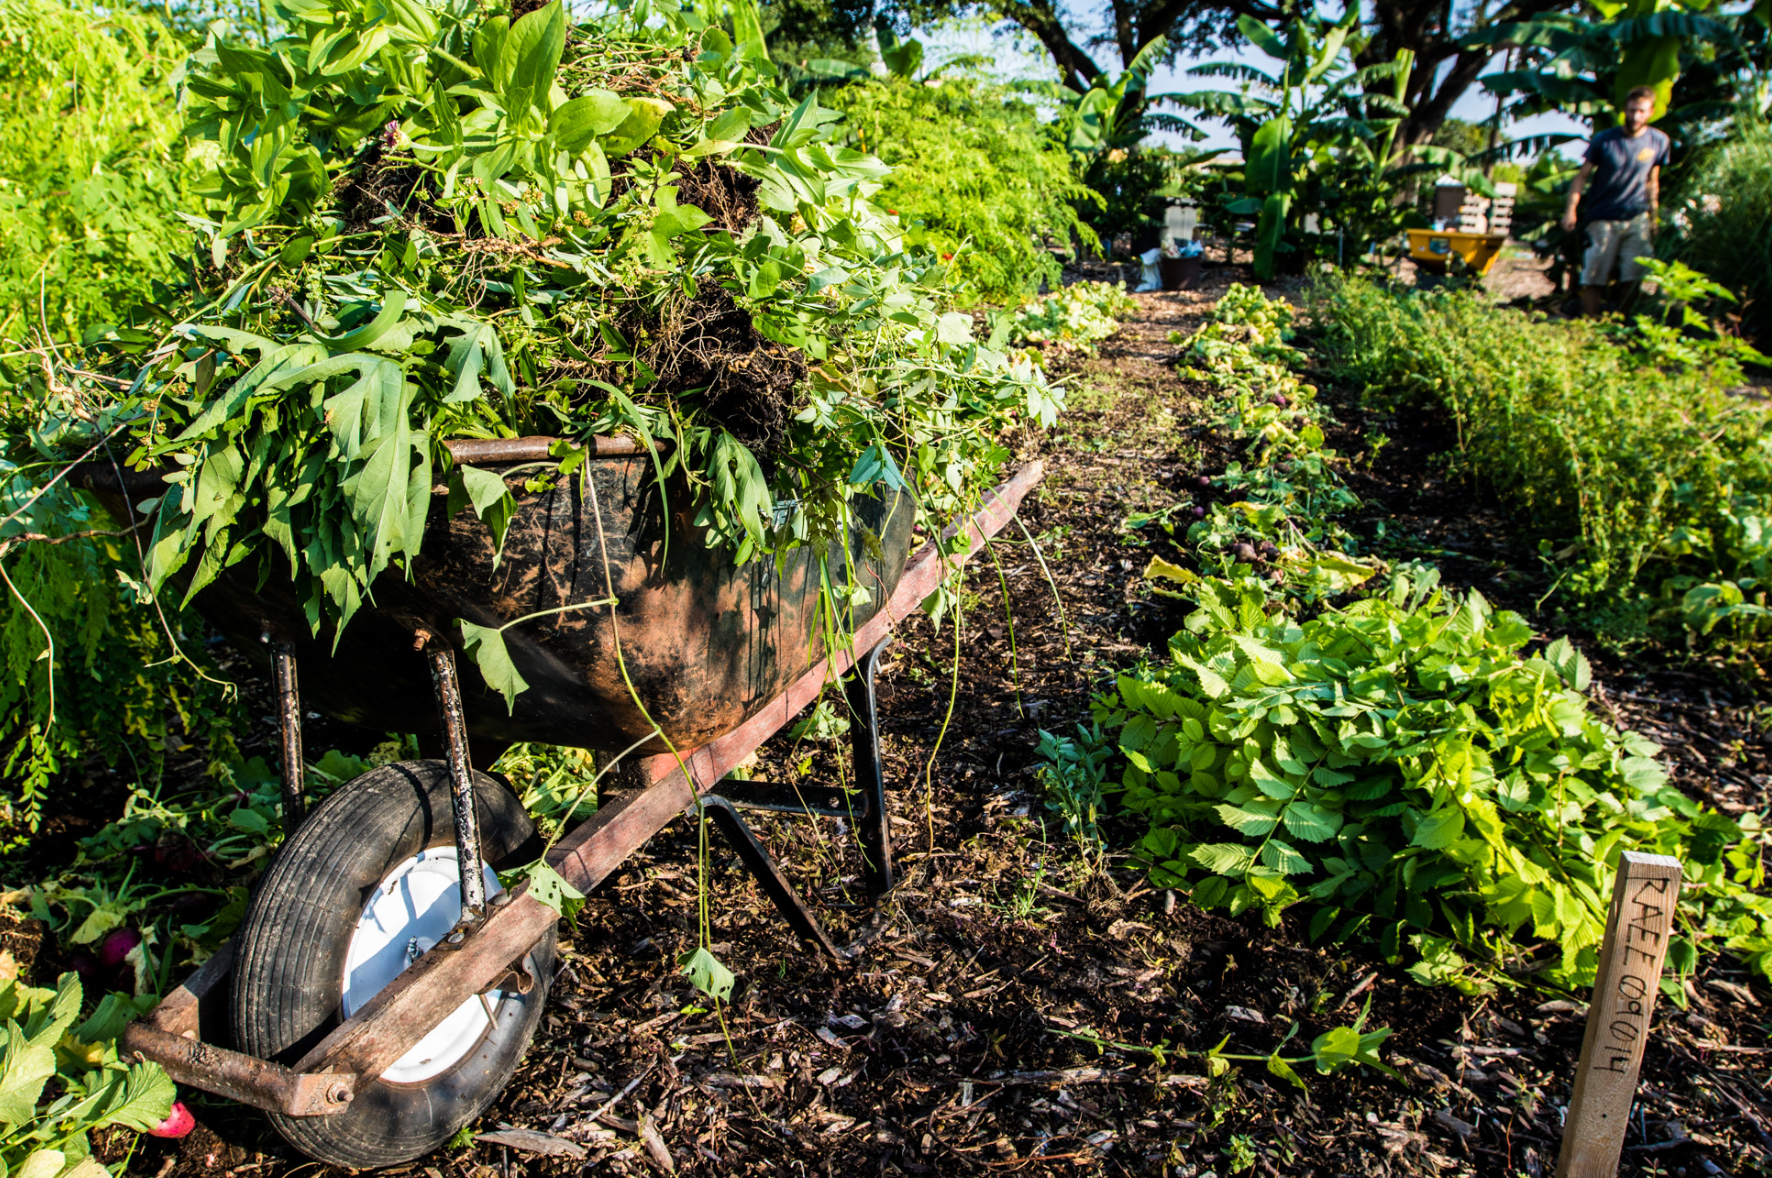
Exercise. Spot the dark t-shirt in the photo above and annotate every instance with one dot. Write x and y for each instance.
(1620, 182)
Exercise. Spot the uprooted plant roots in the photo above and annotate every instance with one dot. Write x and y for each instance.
(382, 180)
(709, 343)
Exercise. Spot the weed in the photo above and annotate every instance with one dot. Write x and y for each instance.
(1239, 1155)
(1071, 774)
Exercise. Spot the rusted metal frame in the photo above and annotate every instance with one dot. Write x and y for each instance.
(872, 822)
(289, 734)
(761, 864)
(244, 1078)
(410, 1006)
(819, 801)
(538, 449)
(171, 1036)
(180, 1012)
(461, 780)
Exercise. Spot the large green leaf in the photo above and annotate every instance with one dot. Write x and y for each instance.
(491, 499)
(473, 352)
(1268, 168)
(142, 1100)
(645, 115)
(488, 45)
(24, 1068)
(486, 646)
(51, 1019)
(1653, 62)
(1311, 822)
(706, 973)
(577, 121)
(393, 309)
(1439, 828)
(549, 887)
(528, 60)
(1222, 858)
(1270, 228)
(1262, 37)
(1248, 820)
(747, 28)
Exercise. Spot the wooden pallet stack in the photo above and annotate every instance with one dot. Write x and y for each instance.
(1480, 214)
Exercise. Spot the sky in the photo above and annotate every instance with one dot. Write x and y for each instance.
(1018, 55)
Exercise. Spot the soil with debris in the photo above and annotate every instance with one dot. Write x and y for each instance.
(1016, 1012)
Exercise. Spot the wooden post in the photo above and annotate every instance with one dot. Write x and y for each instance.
(1618, 1018)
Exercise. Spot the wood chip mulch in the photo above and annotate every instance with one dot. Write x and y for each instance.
(1015, 1013)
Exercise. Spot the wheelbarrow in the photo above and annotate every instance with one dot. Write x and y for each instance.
(378, 996)
(1432, 250)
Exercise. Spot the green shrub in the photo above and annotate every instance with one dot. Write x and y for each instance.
(1403, 765)
(1135, 186)
(1721, 215)
(1665, 480)
(89, 169)
(87, 676)
(975, 177)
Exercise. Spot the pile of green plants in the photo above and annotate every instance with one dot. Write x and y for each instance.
(91, 175)
(976, 177)
(1622, 446)
(1282, 521)
(426, 221)
(1073, 318)
(1400, 764)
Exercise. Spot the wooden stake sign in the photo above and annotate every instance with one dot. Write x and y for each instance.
(1618, 1019)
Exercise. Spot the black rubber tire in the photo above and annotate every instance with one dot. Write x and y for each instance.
(290, 954)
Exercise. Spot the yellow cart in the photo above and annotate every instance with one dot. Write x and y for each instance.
(1432, 249)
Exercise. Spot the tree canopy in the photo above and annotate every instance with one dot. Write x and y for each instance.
(1447, 39)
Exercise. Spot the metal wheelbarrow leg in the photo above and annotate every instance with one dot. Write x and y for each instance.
(867, 811)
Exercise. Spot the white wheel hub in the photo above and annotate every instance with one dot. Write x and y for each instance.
(417, 905)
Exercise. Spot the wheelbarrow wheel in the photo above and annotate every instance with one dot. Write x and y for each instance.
(367, 883)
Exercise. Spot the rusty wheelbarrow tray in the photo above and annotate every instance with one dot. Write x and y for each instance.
(704, 643)
(749, 637)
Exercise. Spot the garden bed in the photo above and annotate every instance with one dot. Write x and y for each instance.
(1016, 1014)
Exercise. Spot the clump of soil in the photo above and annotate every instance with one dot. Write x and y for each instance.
(747, 382)
(385, 177)
(723, 193)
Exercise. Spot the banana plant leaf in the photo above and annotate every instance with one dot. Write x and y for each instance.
(1270, 228)
(1269, 165)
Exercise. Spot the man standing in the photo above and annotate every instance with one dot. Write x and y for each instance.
(1620, 209)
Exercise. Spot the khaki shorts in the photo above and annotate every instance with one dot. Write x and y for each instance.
(1616, 243)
